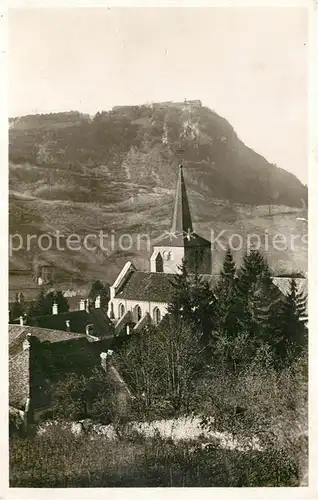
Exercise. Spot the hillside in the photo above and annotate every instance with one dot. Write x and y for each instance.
(73, 157)
(117, 172)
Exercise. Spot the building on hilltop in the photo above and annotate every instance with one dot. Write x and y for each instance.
(140, 297)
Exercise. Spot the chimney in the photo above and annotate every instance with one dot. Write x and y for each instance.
(82, 305)
(103, 359)
(68, 325)
(26, 342)
(21, 321)
(55, 308)
(97, 302)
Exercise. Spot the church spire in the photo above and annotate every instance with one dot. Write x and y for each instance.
(181, 221)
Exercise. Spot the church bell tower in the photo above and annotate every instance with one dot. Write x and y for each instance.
(181, 242)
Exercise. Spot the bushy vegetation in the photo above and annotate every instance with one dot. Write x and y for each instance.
(235, 356)
(81, 396)
(59, 459)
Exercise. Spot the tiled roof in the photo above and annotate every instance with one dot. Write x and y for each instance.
(157, 287)
(153, 287)
(17, 334)
(78, 320)
(14, 332)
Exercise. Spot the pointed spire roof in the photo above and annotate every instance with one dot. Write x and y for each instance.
(181, 220)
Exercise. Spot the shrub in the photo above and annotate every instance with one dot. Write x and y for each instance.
(58, 459)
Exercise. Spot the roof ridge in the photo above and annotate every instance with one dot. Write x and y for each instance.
(60, 314)
(26, 327)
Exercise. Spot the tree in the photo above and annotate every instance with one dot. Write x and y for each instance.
(61, 301)
(162, 366)
(224, 292)
(291, 325)
(193, 302)
(85, 396)
(181, 356)
(18, 308)
(43, 305)
(38, 306)
(258, 405)
(256, 298)
(139, 367)
(180, 300)
(99, 289)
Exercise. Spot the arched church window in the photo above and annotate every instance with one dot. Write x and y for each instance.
(137, 313)
(156, 315)
(121, 310)
(159, 263)
(167, 255)
(111, 314)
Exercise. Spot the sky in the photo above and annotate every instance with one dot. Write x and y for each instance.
(247, 64)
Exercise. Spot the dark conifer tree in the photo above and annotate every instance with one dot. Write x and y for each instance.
(257, 298)
(202, 314)
(37, 306)
(180, 303)
(291, 327)
(193, 302)
(43, 305)
(61, 302)
(98, 288)
(18, 308)
(224, 292)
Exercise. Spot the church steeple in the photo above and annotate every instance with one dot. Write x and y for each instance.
(181, 220)
(181, 243)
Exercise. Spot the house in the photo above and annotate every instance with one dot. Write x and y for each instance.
(138, 298)
(87, 320)
(40, 357)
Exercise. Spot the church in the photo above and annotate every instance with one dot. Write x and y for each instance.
(137, 298)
